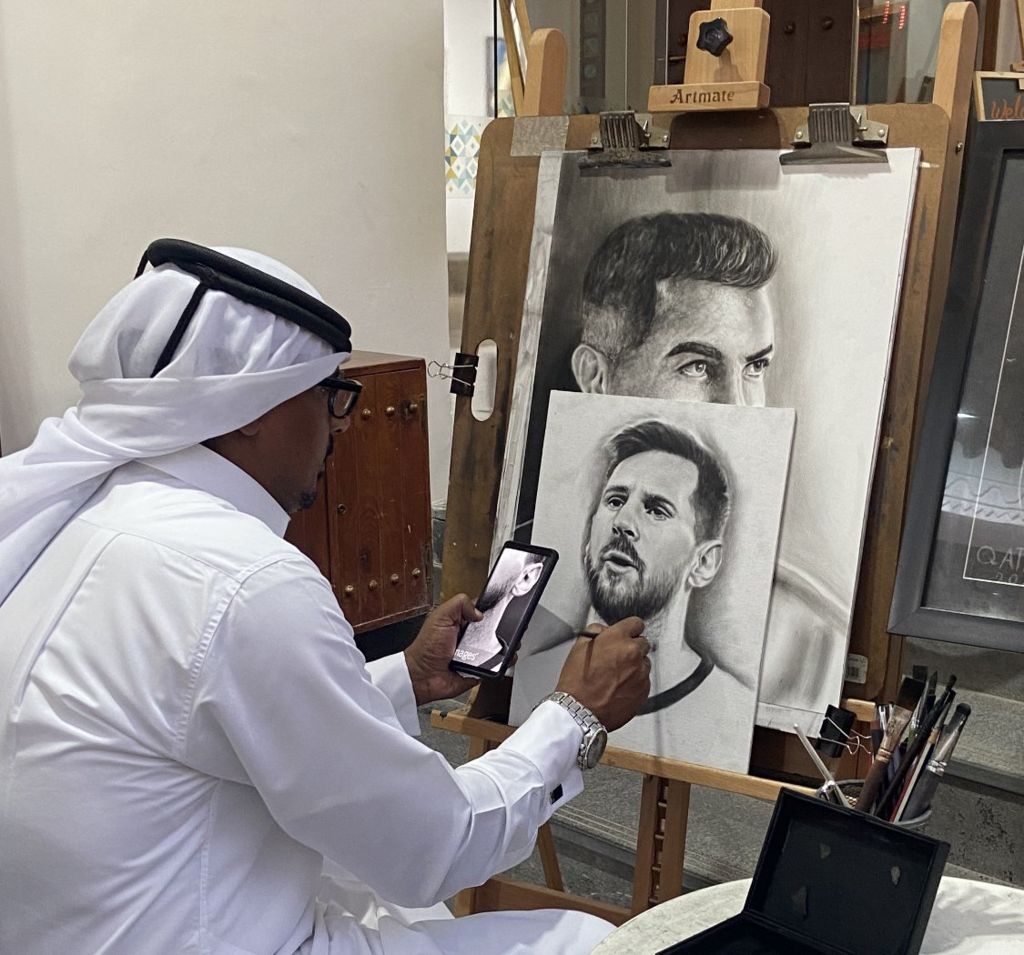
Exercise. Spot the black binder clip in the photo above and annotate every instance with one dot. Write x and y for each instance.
(835, 734)
(461, 373)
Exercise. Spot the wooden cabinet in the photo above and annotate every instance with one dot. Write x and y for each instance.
(369, 531)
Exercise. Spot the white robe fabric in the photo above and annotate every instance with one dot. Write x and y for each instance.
(235, 363)
(84, 740)
(188, 730)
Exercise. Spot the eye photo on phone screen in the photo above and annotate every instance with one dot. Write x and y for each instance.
(486, 647)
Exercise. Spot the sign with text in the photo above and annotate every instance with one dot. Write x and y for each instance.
(999, 96)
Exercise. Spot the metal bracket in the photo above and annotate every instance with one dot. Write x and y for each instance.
(837, 133)
(622, 141)
(461, 373)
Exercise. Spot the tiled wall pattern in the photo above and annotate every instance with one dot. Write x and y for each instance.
(462, 145)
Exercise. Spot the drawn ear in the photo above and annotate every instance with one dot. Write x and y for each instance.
(590, 368)
(706, 563)
(527, 579)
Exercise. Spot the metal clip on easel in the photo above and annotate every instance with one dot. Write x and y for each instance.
(837, 133)
(622, 141)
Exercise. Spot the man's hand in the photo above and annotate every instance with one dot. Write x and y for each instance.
(610, 674)
(430, 653)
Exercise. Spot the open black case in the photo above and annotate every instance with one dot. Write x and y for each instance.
(831, 880)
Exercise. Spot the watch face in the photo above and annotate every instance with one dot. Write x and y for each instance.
(595, 748)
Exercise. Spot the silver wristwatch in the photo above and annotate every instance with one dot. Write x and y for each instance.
(595, 736)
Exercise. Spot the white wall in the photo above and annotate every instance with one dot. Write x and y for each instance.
(313, 132)
(468, 29)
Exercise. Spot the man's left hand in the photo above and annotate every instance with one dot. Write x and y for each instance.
(430, 653)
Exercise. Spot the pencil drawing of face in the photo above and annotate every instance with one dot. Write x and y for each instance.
(719, 283)
(655, 532)
(674, 306)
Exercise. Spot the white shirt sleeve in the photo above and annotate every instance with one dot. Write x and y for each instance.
(283, 702)
(390, 675)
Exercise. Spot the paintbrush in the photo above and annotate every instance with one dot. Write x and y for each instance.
(915, 748)
(929, 692)
(923, 793)
(910, 693)
(910, 783)
(924, 706)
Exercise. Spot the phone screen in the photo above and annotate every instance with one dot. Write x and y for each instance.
(509, 597)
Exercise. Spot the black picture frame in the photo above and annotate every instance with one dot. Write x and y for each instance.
(981, 604)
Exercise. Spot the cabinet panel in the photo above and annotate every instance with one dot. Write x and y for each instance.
(340, 523)
(416, 544)
(363, 440)
(392, 489)
(371, 526)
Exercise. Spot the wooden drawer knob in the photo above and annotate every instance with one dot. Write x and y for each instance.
(395, 578)
(372, 585)
(413, 407)
(416, 572)
(349, 590)
(366, 413)
(341, 509)
(390, 411)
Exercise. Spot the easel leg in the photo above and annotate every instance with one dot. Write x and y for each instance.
(661, 841)
(549, 858)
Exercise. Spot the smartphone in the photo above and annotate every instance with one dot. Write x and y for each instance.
(517, 579)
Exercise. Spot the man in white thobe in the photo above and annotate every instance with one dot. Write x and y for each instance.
(187, 729)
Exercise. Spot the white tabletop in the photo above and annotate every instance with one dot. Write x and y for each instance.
(968, 918)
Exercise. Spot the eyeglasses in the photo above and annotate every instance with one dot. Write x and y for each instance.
(349, 389)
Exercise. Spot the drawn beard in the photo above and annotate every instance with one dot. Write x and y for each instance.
(491, 597)
(645, 597)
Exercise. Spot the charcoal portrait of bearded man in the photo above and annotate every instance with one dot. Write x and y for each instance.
(653, 537)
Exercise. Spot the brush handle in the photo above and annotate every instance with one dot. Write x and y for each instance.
(914, 751)
(921, 795)
(873, 782)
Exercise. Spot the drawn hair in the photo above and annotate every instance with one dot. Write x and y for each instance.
(711, 498)
(620, 284)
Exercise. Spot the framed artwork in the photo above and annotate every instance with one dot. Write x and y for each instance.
(726, 279)
(961, 568)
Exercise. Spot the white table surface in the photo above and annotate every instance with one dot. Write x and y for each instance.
(968, 918)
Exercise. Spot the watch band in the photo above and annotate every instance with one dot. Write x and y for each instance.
(592, 727)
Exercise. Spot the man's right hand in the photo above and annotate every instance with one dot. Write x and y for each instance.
(610, 674)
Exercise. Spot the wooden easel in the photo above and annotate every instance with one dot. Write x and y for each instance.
(499, 258)
(541, 90)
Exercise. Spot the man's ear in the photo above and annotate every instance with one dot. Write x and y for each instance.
(591, 370)
(706, 563)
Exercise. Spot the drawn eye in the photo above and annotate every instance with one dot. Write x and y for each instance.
(658, 512)
(614, 501)
(756, 369)
(698, 368)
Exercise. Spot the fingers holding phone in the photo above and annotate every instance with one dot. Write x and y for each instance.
(487, 646)
(610, 673)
